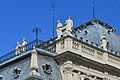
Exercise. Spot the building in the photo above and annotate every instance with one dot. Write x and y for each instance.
(88, 52)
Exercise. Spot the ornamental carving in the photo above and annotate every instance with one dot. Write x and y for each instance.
(47, 68)
(16, 72)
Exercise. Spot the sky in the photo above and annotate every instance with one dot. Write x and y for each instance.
(19, 17)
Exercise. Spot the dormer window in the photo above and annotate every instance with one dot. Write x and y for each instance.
(108, 31)
(81, 38)
(86, 32)
(47, 68)
(75, 35)
(16, 72)
(1, 77)
(86, 40)
(91, 42)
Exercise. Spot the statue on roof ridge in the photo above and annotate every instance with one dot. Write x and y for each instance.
(18, 48)
(59, 24)
(69, 25)
(104, 42)
(24, 43)
(59, 29)
(64, 30)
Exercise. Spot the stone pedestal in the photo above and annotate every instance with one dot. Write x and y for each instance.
(34, 61)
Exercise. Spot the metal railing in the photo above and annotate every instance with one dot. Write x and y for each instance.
(12, 54)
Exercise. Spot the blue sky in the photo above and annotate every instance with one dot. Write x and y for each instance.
(19, 17)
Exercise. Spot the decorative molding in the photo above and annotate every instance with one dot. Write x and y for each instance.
(47, 68)
(16, 72)
(33, 76)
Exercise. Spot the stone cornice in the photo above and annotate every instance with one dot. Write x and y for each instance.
(79, 60)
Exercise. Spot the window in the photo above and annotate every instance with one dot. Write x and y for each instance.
(1, 77)
(86, 79)
(47, 68)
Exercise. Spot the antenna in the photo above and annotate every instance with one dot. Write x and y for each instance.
(93, 9)
(36, 30)
(53, 6)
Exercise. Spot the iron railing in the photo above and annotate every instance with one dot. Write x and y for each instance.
(12, 54)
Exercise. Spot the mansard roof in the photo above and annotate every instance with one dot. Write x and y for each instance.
(93, 21)
(92, 32)
(11, 56)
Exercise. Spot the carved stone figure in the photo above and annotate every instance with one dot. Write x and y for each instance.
(47, 68)
(16, 72)
(82, 77)
(59, 30)
(24, 43)
(69, 25)
(18, 48)
(104, 42)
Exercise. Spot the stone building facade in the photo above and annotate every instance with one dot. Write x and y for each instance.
(88, 52)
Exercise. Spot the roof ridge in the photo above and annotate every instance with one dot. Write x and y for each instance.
(106, 25)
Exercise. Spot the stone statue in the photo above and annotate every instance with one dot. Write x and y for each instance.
(18, 48)
(24, 43)
(69, 24)
(59, 30)
(104, 42)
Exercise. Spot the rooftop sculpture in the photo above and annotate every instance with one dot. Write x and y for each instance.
(24, 43)
(18, 48)
(64, 30)
(69, 25)
(59, 30)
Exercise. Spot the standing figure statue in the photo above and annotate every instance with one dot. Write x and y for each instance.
(24, 43)
(104, 42)
(18, 48)
(69, 25)
(59, 30)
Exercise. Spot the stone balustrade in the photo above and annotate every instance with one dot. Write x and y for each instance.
(86, 50)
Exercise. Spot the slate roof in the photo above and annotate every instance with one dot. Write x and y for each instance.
(92, 31)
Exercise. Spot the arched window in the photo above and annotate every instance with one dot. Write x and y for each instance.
(86, 79)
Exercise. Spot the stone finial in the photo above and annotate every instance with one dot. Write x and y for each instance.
(18, 48)
(69, 25)
(104, 42)
(24, 43)
(59, 30)
(34, 74)
(34, 60)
